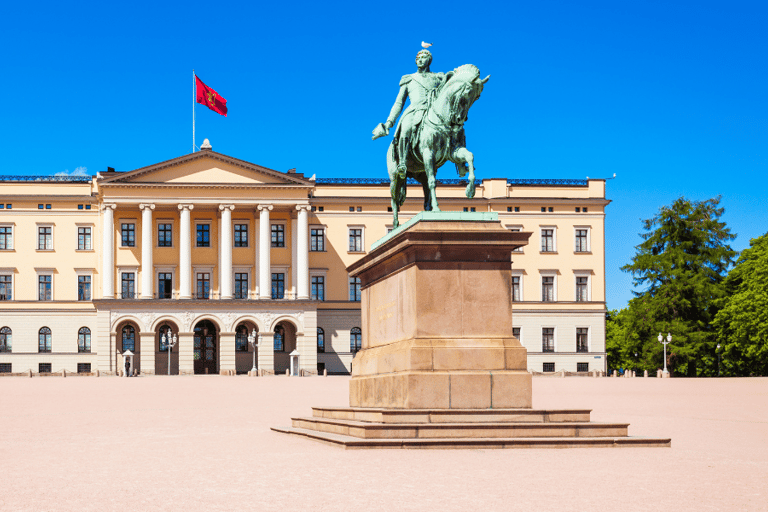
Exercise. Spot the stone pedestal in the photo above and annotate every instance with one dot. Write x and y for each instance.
(437, 318)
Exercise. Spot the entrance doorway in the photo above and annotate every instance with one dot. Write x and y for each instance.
(205, 342)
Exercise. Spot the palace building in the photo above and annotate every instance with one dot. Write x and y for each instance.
(211, 249)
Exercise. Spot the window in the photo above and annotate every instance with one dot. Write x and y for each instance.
(582, 339)
(9, 206)
(547, 288)
(278, 285)
(128, 285)
(516, 332)
(47, 206)
(547, 240)
(84, 340)
(241, 285)
(45, 285)
(317, 239)
(582, 240)
(6, 238)
(44, 238)
(516, 291)
(6, 367)
(279, 338)
(241, 338)
(164, 331)
(355, 240)
(83, 287)
(355, 339)
(128, 234)
(203, 285)
(318, 288)
(548, 367)
(129, 338)
(354, 289)
(582, 290)
(6, 287)
(548, 339)
(203, 235)
(165, 235)
(582, 367)
(6, 340)
(83, 367)
(44, 368)
(320, 340)
(278, 235)
(517, 229)
(164, 285)
(241, 235)
(584, 209)
(44, 340)
(470, 209)
(578, 209)
(84, 239)
(351, 208)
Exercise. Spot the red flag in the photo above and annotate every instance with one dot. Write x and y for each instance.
(210, 98)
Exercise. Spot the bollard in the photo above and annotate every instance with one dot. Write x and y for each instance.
(288, 372)
(615, 373)
(645, 373)
(97, 373)
(30, 373)
(64, 372)
(325, 372)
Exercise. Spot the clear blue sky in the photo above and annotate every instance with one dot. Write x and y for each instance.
(671, 96)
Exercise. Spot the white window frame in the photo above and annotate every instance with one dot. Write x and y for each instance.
(165, 269)
(91, 227)
(554, 338)
(554, 239)
(156, 241)
(243, 269)
(85, 272)
(519, 273)
(286, 244)
(589, 239)
(136, 235)
(213, 292)
(47, 272)
(548, 273)
(37, 237)
(250, 237)
(10, 271)
(319, 272)
(128, 269)
(361, 227)
(517, 228)
(576, 339)
(11, 225)
(588, 275)
(519, 338)
(281, 269)
(209, 222)
(325, 236)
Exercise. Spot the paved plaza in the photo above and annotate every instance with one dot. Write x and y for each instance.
(203, 443)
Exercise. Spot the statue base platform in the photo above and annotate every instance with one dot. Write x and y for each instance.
(439, 365)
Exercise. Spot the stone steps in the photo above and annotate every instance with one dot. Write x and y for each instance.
(350, 442)
(383, 415)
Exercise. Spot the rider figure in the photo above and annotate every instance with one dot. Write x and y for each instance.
(420, 88)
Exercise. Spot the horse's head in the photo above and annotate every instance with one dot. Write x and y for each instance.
(462, 87)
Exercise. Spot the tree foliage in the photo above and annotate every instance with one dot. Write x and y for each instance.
(681, 264)
(742, 321)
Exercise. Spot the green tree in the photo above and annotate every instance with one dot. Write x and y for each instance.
(742, 321)
(681, 264)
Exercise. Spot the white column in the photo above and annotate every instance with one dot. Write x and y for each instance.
(225, 254)
(185, 252)
(147, 269)
(256, 272)
(302, 247)
(265, 247)
(108, 267)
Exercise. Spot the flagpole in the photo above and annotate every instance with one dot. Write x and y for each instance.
(194, 97)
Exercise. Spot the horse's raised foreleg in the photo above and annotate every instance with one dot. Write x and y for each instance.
(463, 156)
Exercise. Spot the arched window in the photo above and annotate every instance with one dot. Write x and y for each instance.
(355, 339)
(84, 340)
(129, 338)
(320, 340)
(164, 330)
(241, 338)
(44, 340)
(6, 339)
(279, 338)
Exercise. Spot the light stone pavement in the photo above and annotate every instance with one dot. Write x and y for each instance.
(203, 443)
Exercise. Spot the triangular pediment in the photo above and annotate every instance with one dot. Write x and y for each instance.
(206, 168)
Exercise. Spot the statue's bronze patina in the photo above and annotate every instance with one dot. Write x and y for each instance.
(431, 130)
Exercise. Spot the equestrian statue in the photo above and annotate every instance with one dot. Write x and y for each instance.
(431, 130)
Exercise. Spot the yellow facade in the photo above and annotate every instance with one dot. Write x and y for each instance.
(212, 284)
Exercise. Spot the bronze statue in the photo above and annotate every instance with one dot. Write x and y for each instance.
(431, 130)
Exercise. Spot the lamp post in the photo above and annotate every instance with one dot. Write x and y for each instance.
(718, 359)
(664, 342)
(170, 342)
(255, 340)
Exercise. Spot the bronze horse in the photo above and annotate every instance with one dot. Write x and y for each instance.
(440, 138)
